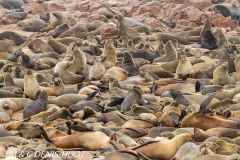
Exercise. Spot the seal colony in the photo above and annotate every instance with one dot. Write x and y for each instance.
(117, 87)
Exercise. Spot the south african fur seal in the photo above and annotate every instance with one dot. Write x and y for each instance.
(59, 87)
(98, 69)
(31, 86)
(116, 72)
(11, 3)
(170, 53)
(184, 66)
(90, 140)
(166, 37)
(204, 122)
(5, 47)
(235, 13)
(222, 39)
(56, 45)
(37, 106)
(221, 77)
(17, 38)
(61, 19)
(16, 15)
(61, 69)
(124, 28)
(32, 25)
(44, 15)
(151, 149)
(110, 53)
(209, 41)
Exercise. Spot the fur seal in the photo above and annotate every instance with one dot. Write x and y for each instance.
(44, 15)
(17, 15)
(98, 69)
(61, 18)
(66, 100)
(32, 25)
(207, 122)
(116, 72)
(61, 69)
(79, 61)
(188, 150)
(15, 37)
(59, 87)
(222, 39)
(110, 53)
(79, 140)
(12, 4)
(209, 41)
(149, 148)
(184, 66)
(221, 77)
(5, 47)
(129, 65)
(124, 28)
(235, 13)
(166, 37)
(31, 86)
(170, 53)
(37, 106)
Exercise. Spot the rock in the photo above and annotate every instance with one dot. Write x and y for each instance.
(34, 7)
(94, 17)
(152, 9)
(52, 7)
(221, 21)
(75, 30)
(109, 32)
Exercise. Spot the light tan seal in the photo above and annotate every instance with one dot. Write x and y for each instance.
(98, 69)
(61, 69)
(184, 66)
(170, 53)
(31, 86)
(221, 77)
(109, 52)
(116, 72)
(152, 149)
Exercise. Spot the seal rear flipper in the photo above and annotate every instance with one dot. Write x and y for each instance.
(197, 86)
(44, 134)
(205, 103)
(116, 101)
(92, 95)
(174, 117)
(153, 75)
(153, 88)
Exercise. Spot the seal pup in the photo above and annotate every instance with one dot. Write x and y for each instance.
(222, 39)
(37, 106)
(60, 89)
(15, 37)
(44, 15)
(204, 122)
(221, 77)
(109, 52)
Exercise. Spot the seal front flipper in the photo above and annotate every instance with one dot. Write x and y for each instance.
(116, 101)
(174, 117)
(92, 95)
(205, 103)
(153, 88)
